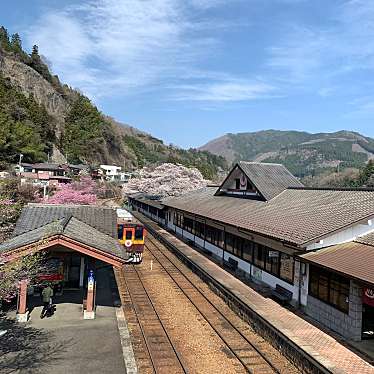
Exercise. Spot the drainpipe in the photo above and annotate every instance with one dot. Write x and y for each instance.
(299, 298)
(224, 245)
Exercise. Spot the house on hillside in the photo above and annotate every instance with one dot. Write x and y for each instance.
(314, 247)
(43, 174)
(111, 172)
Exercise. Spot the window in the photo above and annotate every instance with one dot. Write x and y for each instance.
(120, 232)
(286, 267)
(199, 229)
(128, 235)
(188, 224)
(259, 255)
(178, 219)
(247, 250)
(138, 233)
(213, 235)
(272, 262)
(237, 183)
(229, 242)
(238, 246)
(329, 287)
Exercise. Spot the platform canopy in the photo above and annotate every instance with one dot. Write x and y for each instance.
(45, 226)
(354, 259)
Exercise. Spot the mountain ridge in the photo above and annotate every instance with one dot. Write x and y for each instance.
(302, 152)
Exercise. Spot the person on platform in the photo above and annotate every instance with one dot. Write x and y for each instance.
(47, 294)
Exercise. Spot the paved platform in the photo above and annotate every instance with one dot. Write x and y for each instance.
(330, 353)
(65, 343)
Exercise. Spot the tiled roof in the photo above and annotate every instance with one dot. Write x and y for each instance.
(353, 259)
(269, 179)
(36, 215)
(47, 166)
(69, 227)
(367, 239)
(297, 216)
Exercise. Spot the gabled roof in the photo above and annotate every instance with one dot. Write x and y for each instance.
(33, 216)
(67, 227)
(269, 179)
(297, 216)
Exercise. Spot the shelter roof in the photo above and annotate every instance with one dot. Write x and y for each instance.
(353, 259)
(103, 219)
(68, 227)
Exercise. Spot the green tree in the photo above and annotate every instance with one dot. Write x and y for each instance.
(83, 136)
(4, 39)
(16, 44)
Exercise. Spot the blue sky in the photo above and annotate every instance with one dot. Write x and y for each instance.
(187, 71)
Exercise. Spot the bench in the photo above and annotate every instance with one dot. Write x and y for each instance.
(231, 264)
(282, 294)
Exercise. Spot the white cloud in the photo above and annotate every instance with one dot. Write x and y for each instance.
(109, 47)
(227, 90)
(318, 56)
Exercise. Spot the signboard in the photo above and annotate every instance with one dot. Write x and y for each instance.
(91, 280)
(274, 254)
(368, 296)
(243, 182)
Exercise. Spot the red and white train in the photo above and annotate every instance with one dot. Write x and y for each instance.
(131, 234)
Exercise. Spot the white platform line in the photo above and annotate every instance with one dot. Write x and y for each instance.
(128, 353)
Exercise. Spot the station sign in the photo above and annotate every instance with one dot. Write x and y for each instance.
(368, 296)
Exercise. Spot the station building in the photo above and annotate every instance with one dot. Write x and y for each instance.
(316, 245)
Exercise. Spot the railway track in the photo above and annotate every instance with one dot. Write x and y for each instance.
(162, 354)
(252, 356)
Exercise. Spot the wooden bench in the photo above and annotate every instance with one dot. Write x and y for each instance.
(282, 294)
(231, 264)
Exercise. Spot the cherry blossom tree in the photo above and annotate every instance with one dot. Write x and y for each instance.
(82, 192)
(9, 212)
(14, 270)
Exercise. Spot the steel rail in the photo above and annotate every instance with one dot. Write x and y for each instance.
(148, 345)
(256, 349)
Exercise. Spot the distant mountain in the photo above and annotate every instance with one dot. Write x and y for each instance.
(40, 116)
(304, 154)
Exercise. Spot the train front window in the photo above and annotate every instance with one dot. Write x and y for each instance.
(139, 233)
(128, 235)
(120, 232)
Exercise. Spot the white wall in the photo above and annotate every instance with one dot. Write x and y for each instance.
(263, 276)
(343, 236)
(257, 273)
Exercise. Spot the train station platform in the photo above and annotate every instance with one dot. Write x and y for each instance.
(65, 342)
(292, 334)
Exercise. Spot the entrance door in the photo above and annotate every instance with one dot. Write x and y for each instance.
(73, 271)
(367, 322)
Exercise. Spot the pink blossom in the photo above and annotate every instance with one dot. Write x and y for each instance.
(79, 192)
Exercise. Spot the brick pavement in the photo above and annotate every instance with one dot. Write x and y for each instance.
(321, 346)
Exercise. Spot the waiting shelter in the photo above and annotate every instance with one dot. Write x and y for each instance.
(75, 236)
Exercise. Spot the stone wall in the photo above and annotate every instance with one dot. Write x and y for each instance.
(348, 325)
